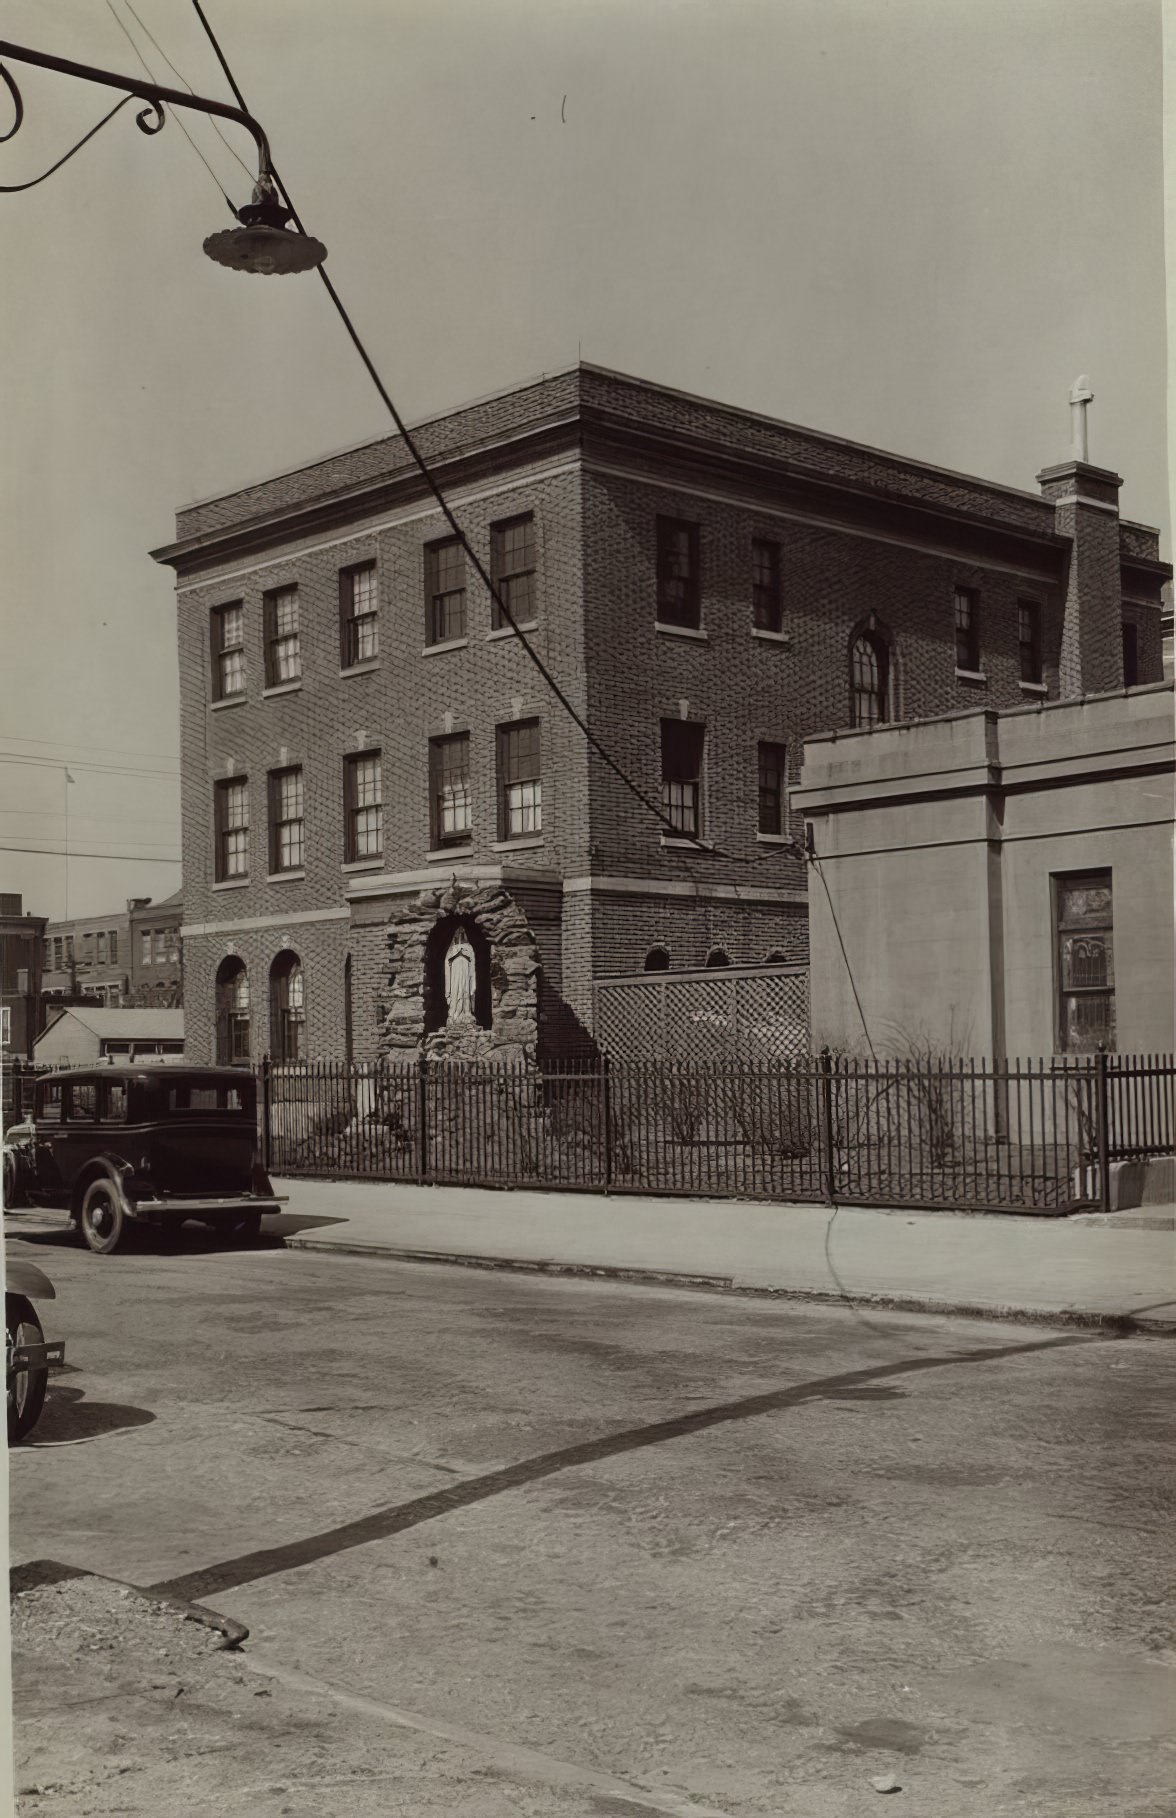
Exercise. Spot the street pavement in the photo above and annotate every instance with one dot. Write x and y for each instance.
(1120, 1269)
(517, 1545)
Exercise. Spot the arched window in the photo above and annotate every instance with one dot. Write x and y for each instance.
(776, 959)
(869, 679)
(657, 960)
(232, 1013)
(287, 1008)
(716, 957)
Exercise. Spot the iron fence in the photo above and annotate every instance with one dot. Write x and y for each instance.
(997, 1135)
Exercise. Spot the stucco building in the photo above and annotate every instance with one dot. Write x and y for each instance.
(370, 761)
(999, 883)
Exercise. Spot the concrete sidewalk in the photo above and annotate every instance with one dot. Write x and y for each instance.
(991, 1264)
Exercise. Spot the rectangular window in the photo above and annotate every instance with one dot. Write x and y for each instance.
(48, 1104)
(520, 781)
(145, 947)
(679, 595)
(69, 949)
(160, 946)
(286, 823)
(449, 789)
(112, 1104)
(82, 1101)
(87, 949)
(113, 947)
(363, 794)
(512, 569)
(228, 651)
(359, 615)
(5, 1026)
(283, 655)
(1085, 962)
(173, 946)
(766, 605)
(232, 829)
(1130, 654)
(101, 940)
(1029, 638)
(58, 954)
(445, 591)
(967, 629)
(772, 759)
(681, 756)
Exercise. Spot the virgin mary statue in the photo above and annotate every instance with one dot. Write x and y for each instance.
(459, 980)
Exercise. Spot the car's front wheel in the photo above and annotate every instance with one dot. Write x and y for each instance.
(103, 1222)
(26, 1386)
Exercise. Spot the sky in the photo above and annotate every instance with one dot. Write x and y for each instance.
(908, 222)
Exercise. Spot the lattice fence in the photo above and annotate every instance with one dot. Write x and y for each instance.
(750, 1013)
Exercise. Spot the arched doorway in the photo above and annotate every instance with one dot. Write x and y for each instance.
(232, 1013)
(287, 1008)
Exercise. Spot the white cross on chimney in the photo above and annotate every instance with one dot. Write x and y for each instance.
(1080, 397)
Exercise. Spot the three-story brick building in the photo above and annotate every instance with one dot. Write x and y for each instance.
(370, 760)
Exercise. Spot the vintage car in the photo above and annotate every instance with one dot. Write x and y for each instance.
(29, 1359)
(153, 1145)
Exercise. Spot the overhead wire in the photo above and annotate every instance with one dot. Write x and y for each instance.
(124, 29)
(138, 858)
(229, 147)
(635, 789)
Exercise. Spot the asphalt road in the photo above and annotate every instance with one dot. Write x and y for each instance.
(555, 1547)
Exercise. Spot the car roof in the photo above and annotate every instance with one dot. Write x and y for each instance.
(138, 1071)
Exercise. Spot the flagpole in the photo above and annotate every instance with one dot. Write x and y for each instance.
(68, 780)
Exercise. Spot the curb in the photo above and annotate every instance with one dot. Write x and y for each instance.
(38, 1572)
(1122, 1324)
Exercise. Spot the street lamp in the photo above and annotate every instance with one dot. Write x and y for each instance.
(263, 242)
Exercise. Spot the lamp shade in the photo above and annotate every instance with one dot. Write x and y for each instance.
(267, 250)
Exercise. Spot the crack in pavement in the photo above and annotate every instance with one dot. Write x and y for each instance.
(381, 1524)
(512, 1758)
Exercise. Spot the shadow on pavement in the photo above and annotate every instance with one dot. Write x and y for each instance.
(68, 1418)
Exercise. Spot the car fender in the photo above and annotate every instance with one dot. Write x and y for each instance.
(104, 1167)
(25, 1278)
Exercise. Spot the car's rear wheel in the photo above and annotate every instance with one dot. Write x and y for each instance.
(26, 1387)
(103, 1221)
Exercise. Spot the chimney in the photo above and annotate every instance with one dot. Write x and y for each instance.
(1086, 512)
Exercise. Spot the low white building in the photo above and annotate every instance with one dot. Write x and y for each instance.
(79, 1036)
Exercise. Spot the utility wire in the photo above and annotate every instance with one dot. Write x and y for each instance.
(16, 738)
(211, 118)
(634, 788)
(139, 858)
(40, 763)
(172, 114)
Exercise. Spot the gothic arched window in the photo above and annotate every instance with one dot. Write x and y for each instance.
(869, 680)
(287, 1008)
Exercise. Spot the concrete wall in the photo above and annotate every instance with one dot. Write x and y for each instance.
(939, 843)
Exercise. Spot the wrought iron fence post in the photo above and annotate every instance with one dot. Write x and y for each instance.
(827, 1126)
(422, 1118)
(266, 1131)
(1102, 1129)
(606, 1113)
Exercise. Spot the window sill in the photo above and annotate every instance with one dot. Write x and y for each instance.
(693, 632)
(232, 883)
(773, 839)
(698, 845)
(527, 842)
(509, 631)
(449, 644)
(228, 700)
(364, 668)
(363, 864)
(284, 877)
(267, 694)
(771, 637)
(971, 675)
(1038, 688)
(449, 852)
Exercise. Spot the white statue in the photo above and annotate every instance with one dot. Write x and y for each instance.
(459, 980)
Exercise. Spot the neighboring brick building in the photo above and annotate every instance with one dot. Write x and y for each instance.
(156, 952)
(22, 945)
(88, 957)
(369, 761)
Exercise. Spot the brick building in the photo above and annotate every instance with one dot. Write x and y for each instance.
(22, 944)
(89, 957)
(156, 952)
(370, 762)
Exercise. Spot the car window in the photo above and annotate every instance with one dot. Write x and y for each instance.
(83, 1100)
(202, 1098)
(114, 1101)
(49, 1108)
(219, 1097)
